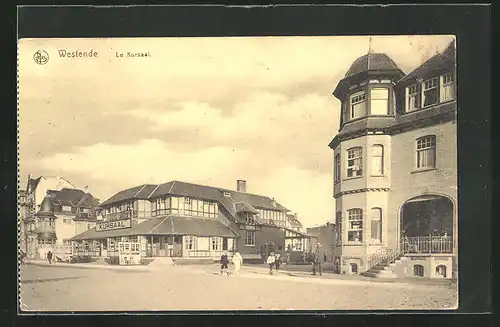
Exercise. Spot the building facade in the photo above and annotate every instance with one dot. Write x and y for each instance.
(395, 168)
(184, 220)
(62, 214)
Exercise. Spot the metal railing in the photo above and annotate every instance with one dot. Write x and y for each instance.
(427, 244)
(383, 256)
(412, 245)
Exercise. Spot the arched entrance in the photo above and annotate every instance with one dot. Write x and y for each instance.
(427, 224)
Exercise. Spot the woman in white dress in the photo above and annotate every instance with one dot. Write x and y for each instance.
(237, 261)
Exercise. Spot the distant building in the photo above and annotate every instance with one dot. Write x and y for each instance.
(63, 214)
(325, 234)
(395, 167)
(37, 188)
(184, 220)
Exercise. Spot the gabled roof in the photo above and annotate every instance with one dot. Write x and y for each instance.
(74, 198)
(438, 62)
(137, 192)
(294, 222)
(244, 207)
(197, 191)
(33, 183)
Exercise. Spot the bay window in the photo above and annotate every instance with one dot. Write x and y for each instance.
(355, 225)
(357, 105)
(354, 162)
(426, 152)
(379, 101)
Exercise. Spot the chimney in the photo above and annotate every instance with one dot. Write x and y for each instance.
(241, 186)
(273, 202)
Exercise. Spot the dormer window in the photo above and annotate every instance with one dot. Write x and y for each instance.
(379, 98)
(357, 107)
(447, 88)
(431, 92)
(413, 97)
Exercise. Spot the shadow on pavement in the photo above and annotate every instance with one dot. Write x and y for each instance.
(32, 281)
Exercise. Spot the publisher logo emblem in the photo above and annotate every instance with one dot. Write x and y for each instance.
(41, 57)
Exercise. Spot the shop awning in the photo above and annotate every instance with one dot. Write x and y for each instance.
(171, 225)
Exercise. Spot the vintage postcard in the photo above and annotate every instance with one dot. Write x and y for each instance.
(238, 173)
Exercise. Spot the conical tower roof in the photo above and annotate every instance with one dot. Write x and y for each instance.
(46, 208)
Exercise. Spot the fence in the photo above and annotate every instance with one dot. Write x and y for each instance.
(412, 245)
(427, 244)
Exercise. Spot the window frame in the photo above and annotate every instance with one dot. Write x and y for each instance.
(443, 83)
(381, 157)
(379, 220)
(359, 157)
(247, 233)
(421, 150)
(337, 168)
(424, 88)
(353, 101)
(355, 215)
(372, 98)
(414, 91)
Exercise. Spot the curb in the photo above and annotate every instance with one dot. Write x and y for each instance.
(81, 266)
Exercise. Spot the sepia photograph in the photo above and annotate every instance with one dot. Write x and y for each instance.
(237, 173)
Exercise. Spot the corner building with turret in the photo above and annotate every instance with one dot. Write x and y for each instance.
(395, 168)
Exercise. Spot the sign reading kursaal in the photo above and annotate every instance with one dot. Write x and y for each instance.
(111, 225)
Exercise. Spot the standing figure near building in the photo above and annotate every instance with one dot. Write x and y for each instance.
(270, 261)
(224, 261)
(277, 260)
(318, 260)
(49, 257)
(237, 261)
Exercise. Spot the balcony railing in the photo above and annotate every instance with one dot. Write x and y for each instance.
(412, 245)
(427, 244)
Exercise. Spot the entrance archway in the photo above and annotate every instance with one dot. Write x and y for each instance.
(427, 224)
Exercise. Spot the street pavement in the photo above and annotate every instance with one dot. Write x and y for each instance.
(202, 287)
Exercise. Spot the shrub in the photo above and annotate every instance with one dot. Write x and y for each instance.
(112, 260)
(81, 259)
(146, 261)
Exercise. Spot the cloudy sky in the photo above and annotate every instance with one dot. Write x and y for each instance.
(201, 110)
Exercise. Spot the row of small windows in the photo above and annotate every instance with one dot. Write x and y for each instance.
(430, 92)
(419, 95)
(425, 158)
(355, 225)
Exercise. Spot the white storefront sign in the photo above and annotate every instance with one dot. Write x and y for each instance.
(112, 225)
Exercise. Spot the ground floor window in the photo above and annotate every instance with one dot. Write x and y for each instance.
(355, 231)
(216, 243)
(189, 242)
(354, 268)
(249, 237)
(441, 270)
(418, 270)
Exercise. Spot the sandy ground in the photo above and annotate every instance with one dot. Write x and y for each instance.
(203, 288)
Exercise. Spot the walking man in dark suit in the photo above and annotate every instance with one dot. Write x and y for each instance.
(318, 260)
